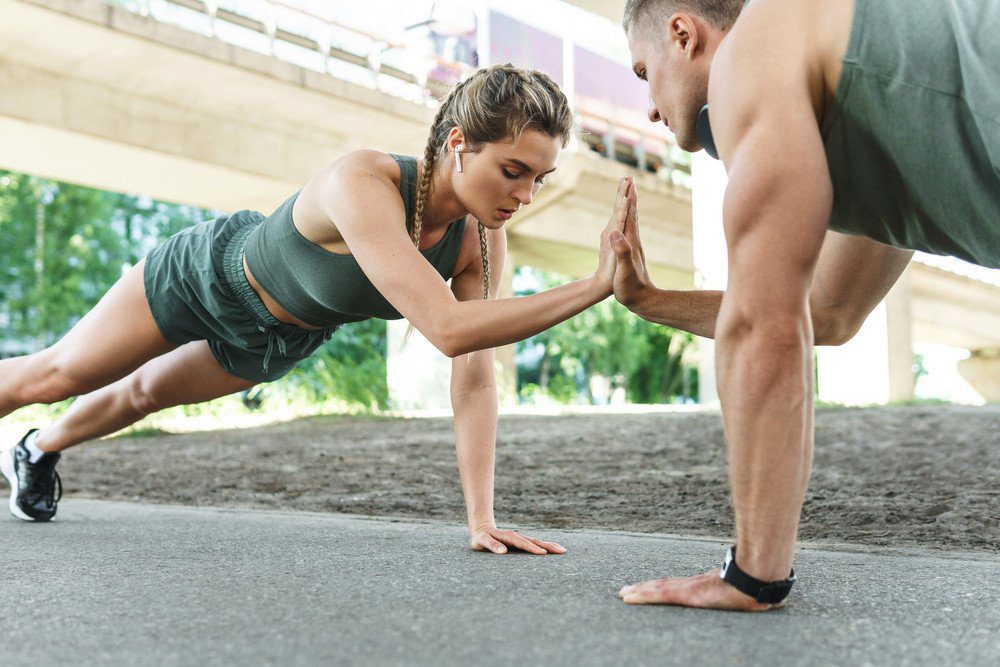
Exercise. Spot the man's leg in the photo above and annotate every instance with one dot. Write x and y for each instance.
(852, 276)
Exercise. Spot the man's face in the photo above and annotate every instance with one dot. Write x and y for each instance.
(666, 55)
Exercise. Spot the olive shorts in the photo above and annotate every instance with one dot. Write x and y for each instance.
(197, 290)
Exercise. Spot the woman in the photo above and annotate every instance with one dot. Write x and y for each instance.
(240, 300)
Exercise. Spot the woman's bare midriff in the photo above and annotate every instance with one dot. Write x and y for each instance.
(272, 306)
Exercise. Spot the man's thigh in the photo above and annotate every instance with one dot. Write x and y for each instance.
(853, 275)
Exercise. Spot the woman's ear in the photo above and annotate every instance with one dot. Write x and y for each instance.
(455, 139)
(455, 144)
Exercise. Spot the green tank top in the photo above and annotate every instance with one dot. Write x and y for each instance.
(324, 288)
(913, 136)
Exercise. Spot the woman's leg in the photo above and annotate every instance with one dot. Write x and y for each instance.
(117, 336)
(189, 374)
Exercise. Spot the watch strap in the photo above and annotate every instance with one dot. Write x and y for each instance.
(770, 592)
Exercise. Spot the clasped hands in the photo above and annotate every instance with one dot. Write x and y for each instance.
(622, 261)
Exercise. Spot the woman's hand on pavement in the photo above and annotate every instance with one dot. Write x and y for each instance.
(487, 537)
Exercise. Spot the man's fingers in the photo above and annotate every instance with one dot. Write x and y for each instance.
(625, 208)
(633, 197)
(658, 591)
(621, 202)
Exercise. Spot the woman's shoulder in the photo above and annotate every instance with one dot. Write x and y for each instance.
(365, 161)
(362, 171)
(360, 178)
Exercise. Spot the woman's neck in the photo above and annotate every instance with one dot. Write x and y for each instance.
(442, 205)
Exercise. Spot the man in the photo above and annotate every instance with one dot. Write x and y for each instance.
(853, 132)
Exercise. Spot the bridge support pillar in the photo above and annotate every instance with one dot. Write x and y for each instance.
(982, 371)
(876, 366)
(710, 255)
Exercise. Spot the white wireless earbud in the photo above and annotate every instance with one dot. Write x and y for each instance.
(458, 157)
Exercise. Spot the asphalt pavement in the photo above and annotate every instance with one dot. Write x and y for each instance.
(113, 583)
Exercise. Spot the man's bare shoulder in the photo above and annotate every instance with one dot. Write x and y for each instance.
(807, 34)
(780, 42)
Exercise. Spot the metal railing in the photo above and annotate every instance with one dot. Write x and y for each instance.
(323, 40)
(426, 78)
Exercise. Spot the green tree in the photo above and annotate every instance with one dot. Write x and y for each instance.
(62, 246)
(650, 361)
(58, 254)
(351, 366)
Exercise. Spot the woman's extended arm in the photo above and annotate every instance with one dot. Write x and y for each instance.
(364, 204)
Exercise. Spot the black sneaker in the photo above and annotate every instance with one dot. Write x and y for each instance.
(35, 488)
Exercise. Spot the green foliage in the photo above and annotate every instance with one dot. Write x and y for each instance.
(651, 362)
(62, 246)
(351, 366)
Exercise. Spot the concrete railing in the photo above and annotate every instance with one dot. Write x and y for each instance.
(399, 69)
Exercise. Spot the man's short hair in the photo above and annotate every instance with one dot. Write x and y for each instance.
(720, 13)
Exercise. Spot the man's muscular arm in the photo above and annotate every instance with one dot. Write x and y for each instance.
(763, 91)
(853, 274)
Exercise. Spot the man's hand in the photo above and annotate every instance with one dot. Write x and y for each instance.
(487, 537)
(705, 591)
(616, 223)
(631, 279)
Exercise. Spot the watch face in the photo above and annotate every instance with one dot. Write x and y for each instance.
(725, 566)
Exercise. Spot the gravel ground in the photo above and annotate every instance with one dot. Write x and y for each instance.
(915, 476)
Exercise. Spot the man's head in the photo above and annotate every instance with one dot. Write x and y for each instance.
(672, 44)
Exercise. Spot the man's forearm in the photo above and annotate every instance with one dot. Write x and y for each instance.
(765, 386)
(694, 311)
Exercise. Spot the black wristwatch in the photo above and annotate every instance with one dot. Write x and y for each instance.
(763, 591)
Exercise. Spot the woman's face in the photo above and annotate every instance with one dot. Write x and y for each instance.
(499, 178)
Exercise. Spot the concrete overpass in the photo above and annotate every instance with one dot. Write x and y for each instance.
(97, 95)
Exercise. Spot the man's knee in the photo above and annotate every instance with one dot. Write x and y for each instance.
(836, 328)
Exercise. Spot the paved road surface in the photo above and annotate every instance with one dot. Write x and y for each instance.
(118, 583)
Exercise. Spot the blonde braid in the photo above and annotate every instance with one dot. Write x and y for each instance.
(423, 190)
(424, 182)
(434, 144)
(485, 249)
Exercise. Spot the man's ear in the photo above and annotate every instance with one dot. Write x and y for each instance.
(683, 33)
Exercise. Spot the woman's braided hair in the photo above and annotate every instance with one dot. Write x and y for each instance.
(496, 103)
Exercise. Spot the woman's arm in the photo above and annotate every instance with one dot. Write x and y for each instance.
(369, 214)
(474, 401)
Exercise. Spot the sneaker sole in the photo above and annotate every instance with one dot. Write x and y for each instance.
(9, 471)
